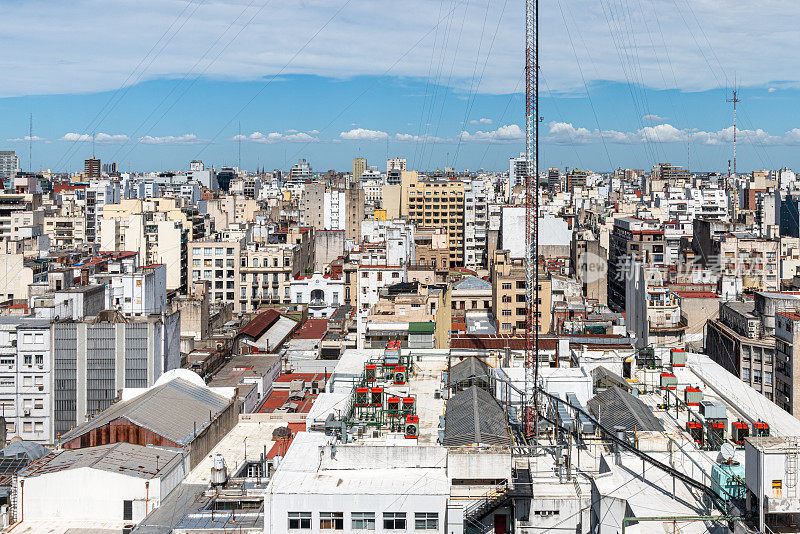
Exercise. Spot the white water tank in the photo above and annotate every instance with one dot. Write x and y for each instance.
(219, 471)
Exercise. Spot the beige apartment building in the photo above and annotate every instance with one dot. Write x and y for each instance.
(508, 295)
(435, 203)
(65, 232)
(231, 209)
(249, 275)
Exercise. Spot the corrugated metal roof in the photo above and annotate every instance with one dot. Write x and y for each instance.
(472, 283)
(170, 410)
(470, 367)
(124, 458)
(257, 326)
(614, 407)
(474, 417)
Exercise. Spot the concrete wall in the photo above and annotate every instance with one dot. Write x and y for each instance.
(328, 245)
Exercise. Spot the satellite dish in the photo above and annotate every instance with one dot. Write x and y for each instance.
(727, 452)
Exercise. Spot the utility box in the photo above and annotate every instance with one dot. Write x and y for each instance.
(713, 410)
(669, 381)
(678, 358)
(739, 431)
(692, 396)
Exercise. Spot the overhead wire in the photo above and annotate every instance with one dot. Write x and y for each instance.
(474, 92)
(127, 83)
(585, 86)
(383, 75)
(133, 136)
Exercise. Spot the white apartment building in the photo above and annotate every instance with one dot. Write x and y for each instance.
(138, 293)
(9, 164)
(217, 261)
(322, 293)
(476, 222)
(517, 168)
(334, 210)
(387, 243)
(25, 381)
(396, 164)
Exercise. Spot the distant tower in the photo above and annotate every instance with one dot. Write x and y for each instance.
(359, 166)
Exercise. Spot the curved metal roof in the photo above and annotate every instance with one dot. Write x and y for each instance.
(474, 417)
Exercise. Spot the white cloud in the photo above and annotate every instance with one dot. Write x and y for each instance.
(504, 134)
(653, 118)
(314, 132)
(771, 90)
(100, 139)
(362, 134)
(481, 121)
(563, 133)
(410, 138)
(186, 139)
(368, 36)
(26, 139)
(276, 137)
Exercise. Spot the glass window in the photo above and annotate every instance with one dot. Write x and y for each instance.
(363, 520)
(426, 521)
(331, 520)
(218, 251)
(299, 520)
(394, 520)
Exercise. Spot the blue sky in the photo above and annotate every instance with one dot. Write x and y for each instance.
(167, 81)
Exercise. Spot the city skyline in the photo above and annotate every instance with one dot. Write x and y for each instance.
(449, 79)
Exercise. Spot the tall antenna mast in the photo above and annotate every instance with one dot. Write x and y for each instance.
(532, 214)
(30, 143)
(239, 138)
(734, 100)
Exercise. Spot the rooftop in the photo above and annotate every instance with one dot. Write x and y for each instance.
(174, 410)
(124, 458)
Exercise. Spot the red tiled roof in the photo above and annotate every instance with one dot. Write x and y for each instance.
(794, 316)
(696, 294)
(312, 329)
(260, 324)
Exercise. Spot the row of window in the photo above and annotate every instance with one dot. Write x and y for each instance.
(364, 520)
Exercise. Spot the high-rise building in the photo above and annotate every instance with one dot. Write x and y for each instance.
(359, 166)
(517, 167)
(300, 172)
(554, 180)
(9, 165)
(395, 164)
(436, 203)
(91, 167)
(576, 178)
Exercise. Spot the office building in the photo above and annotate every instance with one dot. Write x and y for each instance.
(91, 168)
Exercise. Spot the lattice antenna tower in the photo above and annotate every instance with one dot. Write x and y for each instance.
(532, 213)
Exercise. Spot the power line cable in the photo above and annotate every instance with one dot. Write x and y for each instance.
(274, 77)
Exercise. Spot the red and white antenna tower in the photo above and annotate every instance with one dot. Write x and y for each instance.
(532, 213)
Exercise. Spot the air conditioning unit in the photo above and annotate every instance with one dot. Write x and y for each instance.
(26, 413)
(40, 366)
(411, 427)
(399, 375)
(41, 388)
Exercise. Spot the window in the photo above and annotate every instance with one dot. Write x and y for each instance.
(127, 510)
(506, 286)
(331, 520)
(27, 427)
(394, 520)
(363, 520)
(38, 404)
(27, 381)
(395, 275)
(28, 359)
(426, 521)
(38, 427)
(777, 489)
(299, 520)
(505, 313)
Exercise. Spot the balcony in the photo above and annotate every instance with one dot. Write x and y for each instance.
(317, 303)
